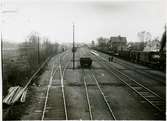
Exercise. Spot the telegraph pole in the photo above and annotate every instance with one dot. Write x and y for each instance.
(73, 49)
(38, 52)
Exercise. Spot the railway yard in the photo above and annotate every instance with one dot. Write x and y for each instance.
(108, 90)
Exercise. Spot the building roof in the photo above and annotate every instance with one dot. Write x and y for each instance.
(118, 39)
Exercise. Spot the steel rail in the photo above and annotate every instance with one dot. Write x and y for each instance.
(146, 73)
(102, 93)
(130, 78)
(47, 92)
(50, 83)
(62, 87)
(65, 54)
(149, 101)
(104, 97)
(87, 97)
(86, 91)
(125, 63)
(62, 72)
(29, 81)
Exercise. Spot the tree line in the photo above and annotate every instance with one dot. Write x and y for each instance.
(32, 53)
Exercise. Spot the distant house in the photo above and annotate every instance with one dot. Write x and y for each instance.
(102, 41)
(117, 43)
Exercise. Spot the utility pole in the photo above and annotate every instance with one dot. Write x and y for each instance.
(38, 52)
(73, 49)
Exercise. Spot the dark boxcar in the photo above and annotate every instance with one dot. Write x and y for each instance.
(151, 58)
(135, 56)
(85, 62)
(144, 57)
(124, 54)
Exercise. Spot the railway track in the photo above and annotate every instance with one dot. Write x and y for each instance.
(47, 92)
(146, 94)
(141, 71)
(92, 77)
(87, 97)
(138, 70)
(62, 71)
(55, 68)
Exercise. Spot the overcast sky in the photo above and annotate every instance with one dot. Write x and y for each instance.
(93, 19)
